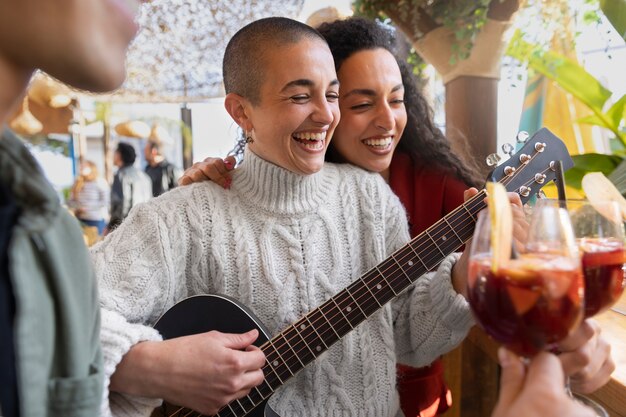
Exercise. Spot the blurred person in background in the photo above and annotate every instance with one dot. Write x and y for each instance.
(130, 187)
(90, 197)
(163, 174)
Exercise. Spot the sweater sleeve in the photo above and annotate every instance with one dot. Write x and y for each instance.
(431, 318)
(135, 270)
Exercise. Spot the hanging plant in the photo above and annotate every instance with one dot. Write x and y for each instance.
(464, 18)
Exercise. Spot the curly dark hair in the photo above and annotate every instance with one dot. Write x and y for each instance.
(421, 139)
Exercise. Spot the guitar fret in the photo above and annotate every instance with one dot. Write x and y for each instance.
(434, 242)
(276, 363)
(240, 405)
(384, 291)
(317, 348)
(356, 303)
(259, 392)
(299, 345)
(269, 362)
(231, 409)
(341, 311)
(469, 212)
(387, 282)
(453, 231)
(403, 272)
(304, 339)
(328, 321)
(353, 313)
(268, 385)
(370, 291)
(418, 257)
(363, 294)
(293, 351)
(447, 246)
(255, 397)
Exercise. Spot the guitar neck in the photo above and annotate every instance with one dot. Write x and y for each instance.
(301, 343)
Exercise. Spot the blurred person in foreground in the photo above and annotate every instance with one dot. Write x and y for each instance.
(50, 357)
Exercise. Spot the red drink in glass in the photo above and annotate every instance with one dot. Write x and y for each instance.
(529, 304)
(603, 262)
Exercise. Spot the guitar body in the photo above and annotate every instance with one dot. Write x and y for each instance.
(204, 313)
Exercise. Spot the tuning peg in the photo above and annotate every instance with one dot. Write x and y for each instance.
(524, 191)
(508, 149)
(540, 178)
(524, 159)
(540, 146)
(492, 159)
(522, 136)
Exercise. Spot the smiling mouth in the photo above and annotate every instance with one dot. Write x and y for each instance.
(378, 144)
(311, 141)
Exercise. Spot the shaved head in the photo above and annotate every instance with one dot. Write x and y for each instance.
(244, 58)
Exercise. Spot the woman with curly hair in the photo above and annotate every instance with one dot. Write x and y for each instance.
(387, 127)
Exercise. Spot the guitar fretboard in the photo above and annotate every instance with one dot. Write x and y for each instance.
(301, 343)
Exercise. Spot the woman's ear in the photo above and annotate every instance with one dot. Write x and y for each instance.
(237, 106)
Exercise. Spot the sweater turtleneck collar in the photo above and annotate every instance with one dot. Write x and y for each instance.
(276, 189)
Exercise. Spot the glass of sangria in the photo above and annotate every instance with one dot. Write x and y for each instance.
(533, 300)
(599, 233)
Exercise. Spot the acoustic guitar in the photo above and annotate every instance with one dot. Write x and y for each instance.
(525, 172)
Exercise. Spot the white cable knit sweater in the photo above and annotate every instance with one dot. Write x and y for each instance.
(282, 244)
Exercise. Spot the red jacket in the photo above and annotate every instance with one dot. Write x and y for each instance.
(427, 194)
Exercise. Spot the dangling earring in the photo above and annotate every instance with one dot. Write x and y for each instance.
(248, 137)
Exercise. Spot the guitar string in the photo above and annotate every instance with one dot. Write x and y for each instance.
(302, 340)
(368, 291)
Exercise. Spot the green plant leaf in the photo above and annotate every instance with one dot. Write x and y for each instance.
(596, 162)
(617, 112)
(615, 11)
(590, 162)
(568, 74)
(592, 120)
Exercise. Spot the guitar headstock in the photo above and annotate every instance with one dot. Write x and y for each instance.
(532, 167)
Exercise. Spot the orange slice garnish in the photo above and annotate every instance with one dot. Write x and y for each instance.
(598, 189)
(501, 218)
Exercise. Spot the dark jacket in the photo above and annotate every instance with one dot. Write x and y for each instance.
(130, 187)
(57, 320)
(164, 177)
